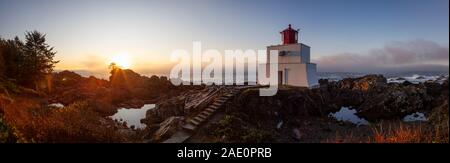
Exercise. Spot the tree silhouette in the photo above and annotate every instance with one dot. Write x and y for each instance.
(27, 63)
(13, 58)
(113, 66)
(39, 56)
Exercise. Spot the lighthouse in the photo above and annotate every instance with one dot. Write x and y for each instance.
(294, 66)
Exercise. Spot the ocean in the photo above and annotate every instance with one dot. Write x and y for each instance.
(392, 77)
(411, 76)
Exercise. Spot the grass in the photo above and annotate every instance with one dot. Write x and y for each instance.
(396, 132)
(77, 122)
(401, 133)
(408, 133)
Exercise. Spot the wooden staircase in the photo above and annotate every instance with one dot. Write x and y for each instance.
(192, 124)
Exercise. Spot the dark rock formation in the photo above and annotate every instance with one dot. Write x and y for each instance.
(126, 88)
(394, 102)
(127, 84)
(164, 110)
(371, 95)
(375, 99)
(303, 112)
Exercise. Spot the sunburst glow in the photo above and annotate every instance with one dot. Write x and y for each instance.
(123, 60)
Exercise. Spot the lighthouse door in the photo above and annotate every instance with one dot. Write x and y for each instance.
(280, 77)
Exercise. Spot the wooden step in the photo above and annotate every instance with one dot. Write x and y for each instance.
(202, 116)
(213, 107)
(210, 110)
(229, 95)
(221, 101)
(199, 119)
(205, 113)
(189, 127)
(194, 122)
(218, 104)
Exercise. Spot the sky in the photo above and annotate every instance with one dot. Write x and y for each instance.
(345, 35)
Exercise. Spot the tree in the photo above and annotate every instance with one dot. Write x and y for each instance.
(38, 56)
(2, 61)
(27, 63)
(13, 59)
(113, 66)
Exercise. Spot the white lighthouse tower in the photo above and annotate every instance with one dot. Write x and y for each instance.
(294, 66)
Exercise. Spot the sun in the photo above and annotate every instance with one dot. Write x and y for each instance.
(122, 60)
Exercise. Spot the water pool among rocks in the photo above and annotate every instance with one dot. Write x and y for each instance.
(132, 116)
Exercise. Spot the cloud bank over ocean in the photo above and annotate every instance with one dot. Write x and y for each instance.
(415, 55)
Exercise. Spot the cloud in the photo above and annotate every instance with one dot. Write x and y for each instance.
(413, 55)
(94, 62)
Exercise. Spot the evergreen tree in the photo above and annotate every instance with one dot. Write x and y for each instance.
(38, 58)
(26, 63)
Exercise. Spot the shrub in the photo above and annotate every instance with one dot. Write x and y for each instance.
(233, 129)
(6, 134)
(406, 133)
(74, 123)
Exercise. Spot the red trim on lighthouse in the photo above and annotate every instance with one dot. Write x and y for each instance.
(289, 36)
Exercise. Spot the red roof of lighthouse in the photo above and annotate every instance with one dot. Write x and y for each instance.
(289, 35)
(289, 29)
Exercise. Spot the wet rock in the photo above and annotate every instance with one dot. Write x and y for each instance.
(406, 83)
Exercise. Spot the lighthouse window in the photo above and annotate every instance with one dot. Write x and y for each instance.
(286, 75)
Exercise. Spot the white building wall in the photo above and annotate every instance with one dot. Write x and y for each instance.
(312, 74)
(296, 65)
(289, 59)
(303, 75)
(305, 53)
(295, 53)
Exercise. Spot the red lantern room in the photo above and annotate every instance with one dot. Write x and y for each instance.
(289, 36)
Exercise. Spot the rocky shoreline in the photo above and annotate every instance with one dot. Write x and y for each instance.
(302, 115)
(294, 114)
(373, 98)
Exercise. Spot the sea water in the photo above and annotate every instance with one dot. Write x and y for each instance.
(347, 114)
(132, 116)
